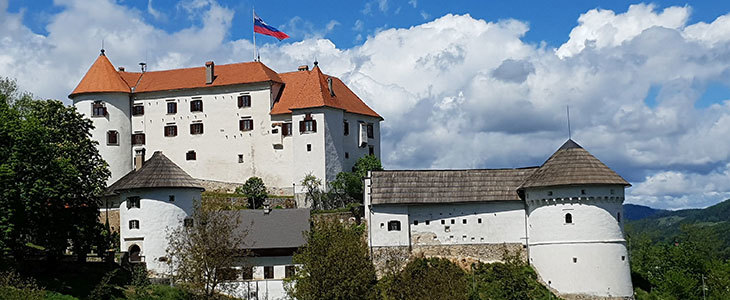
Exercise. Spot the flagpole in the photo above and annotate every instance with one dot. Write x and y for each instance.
(253, 10)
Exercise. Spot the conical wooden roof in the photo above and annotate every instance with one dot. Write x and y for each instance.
(572, 165)
(101, 78)
(157, 172)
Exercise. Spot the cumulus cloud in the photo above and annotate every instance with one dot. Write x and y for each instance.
(460, 92)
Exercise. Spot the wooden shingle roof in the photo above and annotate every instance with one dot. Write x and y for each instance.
(572, 165)
(446, 186)
(157, 172)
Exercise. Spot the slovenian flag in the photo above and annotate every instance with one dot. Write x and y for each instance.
(261, 27)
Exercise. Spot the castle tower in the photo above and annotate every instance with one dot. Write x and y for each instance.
(104, 97)
(575, 227)
(156, 198)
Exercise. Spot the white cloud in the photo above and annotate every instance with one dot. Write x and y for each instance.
(155, 13)
(459, 92)
(413, 3)
(425, 15)
(358, 25)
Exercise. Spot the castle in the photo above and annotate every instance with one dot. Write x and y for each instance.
(225, 123)
(215, 126)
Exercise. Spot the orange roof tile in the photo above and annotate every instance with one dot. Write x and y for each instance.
(307, 89)
(190, 78)
(101, 77)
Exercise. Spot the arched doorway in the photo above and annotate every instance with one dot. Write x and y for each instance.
(134, 252)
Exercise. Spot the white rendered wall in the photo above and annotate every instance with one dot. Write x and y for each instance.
(156, 216)
(501, 222)
(117, 118)
(587, 256)
(263, 288)
(350, 142)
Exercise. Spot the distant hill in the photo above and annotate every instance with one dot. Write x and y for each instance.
(633, 212)
(665, 225)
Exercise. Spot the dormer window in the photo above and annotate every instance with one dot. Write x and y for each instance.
(98, 109)
(244, 101)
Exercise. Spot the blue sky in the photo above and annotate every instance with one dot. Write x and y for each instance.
(461, 84)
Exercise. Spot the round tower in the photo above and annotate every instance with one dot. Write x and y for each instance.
(154, 199)
(103, 97)
(575, 226)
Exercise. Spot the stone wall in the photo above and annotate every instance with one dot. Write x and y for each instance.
(230, 187)
(393, 258)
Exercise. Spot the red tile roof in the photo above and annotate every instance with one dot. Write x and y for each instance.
(308, 89)
(303, 89)
(101, 78)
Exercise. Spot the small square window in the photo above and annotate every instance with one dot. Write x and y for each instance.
(138, 139)
(196, 128)
(190, 155)
(138, 110)
(452, 221)
(171, 107)
(286, 129)
(463, 221)
(347, 155)
(623, 257)
(415, 222)
(112, 138)
(550, 193)
(309, 124)
(171, 198)
(575, 259)
(428, 222)
(133, 202)
(98, 109)
(443, 222)
(479, 220)
(245, 125)
(244, 101)
(268, 272)
(309, 147)
(171, 130)
(133, 224)
(196, 105)
(240, 158)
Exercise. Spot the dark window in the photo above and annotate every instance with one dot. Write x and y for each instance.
(568, 218)
(138, 139)
(308, 124)
(309, 147)
(415, 222)
(240, 158)
(286, 129)
(428, 222)
(452, 221)
(393, 225)
(138, 110)
(268, 272)
(112, 137)
(244, 101)
(245, 125)
(550, 193)
(227, 274)
(575, 259)
(347, 155)
(612, 192)
(190, 155)
(196, 105)
(443, 222)
(132, 202)
(289, 271)
(171, 130)
(171, 198)
(582, 192)
(196, 128)
(623, 257)
(133, 224)
(463, 221)
(98, 109)
(347, 128)
(370, 131)
(171, 107)
(479, 220)
(371, 150)
(247, 273)
(618, 217)
(188, 222)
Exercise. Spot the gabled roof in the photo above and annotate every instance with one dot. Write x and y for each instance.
(190, 78)
(309, 89)
(280, 228)
(446, 186)
(572, 165)
(101, 78)
(157, 172)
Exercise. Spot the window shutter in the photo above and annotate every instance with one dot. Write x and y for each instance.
(105, 112)
(251, 124)
(201, 105)
(314, 125)
(192, 131)
(191, 105)
(240, 125)
(301, 126)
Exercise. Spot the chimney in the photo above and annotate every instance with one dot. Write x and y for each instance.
(209, 72)
(329, 86)
(121, 69)
(303, 68)
(138, 159)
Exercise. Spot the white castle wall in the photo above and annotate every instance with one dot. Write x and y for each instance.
(117, 118)
(587, 256)
(156, 216)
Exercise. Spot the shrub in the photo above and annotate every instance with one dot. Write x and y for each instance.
(255, 191)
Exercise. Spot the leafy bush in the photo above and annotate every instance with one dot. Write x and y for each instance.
(426, 278)
(255, 191)
(158, 292)
(13, 286)
(511, 279)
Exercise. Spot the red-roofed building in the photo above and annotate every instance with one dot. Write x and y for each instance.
(225, 123)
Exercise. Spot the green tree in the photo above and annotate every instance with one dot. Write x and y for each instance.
(350, 183)
(334, 264)
(51, 176)
(426, 278)
(255, 191)
(510, 279)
